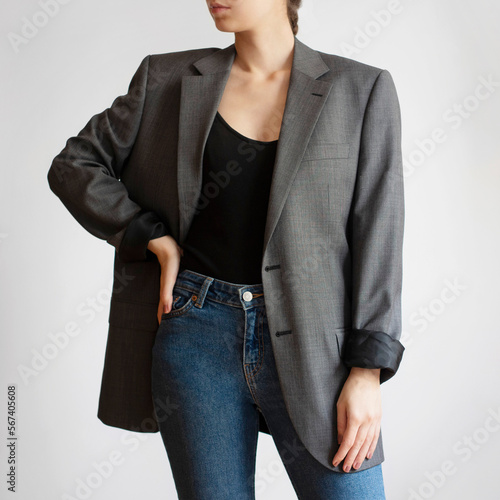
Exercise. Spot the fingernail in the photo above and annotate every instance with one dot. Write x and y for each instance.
(335, 463)
(369, 455)
(347, 468)
(356, 465)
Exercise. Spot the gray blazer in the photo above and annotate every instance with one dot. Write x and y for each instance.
(332, 255)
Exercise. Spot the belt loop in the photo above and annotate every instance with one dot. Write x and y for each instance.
(203, 292)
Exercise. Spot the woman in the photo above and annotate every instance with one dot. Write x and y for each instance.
(278, 148)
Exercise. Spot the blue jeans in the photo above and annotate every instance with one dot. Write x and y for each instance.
(213, 372)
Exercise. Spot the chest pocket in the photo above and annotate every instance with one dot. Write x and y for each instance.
(325, 151)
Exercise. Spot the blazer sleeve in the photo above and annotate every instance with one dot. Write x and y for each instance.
(86, 174)
(376, 237)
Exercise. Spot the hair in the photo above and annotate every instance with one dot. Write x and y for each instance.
(292, 8)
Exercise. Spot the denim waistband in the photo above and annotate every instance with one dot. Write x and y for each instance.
(223, 291)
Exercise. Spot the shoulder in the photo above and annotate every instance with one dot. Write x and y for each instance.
(355, 72)
(350, 66)
(180, 59)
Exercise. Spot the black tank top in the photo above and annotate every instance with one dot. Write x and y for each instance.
(226, 237)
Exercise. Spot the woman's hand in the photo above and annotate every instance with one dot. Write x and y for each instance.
(169, 256)
(359, 414)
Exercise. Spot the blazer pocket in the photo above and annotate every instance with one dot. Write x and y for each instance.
(325, 151)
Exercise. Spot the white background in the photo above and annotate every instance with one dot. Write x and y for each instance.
(441, 410)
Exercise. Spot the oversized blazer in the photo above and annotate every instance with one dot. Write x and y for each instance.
(332, 254)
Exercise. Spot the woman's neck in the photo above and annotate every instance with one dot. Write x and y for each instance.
(265, 53)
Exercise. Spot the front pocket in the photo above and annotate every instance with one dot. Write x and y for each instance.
(325, 151)
(183, 301)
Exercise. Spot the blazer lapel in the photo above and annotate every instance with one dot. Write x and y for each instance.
(200, 98)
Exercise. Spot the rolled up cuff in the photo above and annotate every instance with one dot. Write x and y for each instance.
(145, 226)
(373, 349)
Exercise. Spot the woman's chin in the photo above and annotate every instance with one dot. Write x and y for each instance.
(225, 25)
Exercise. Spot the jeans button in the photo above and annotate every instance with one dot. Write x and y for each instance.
(247, 296)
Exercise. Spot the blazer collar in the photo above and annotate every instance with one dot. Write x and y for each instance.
(305, 59)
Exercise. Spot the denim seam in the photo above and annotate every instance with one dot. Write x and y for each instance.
(260, 363)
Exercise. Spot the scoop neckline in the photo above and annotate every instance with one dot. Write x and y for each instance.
(241, 136)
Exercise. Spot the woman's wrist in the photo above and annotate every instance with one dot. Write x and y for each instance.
(162, 247)
(365, 372)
